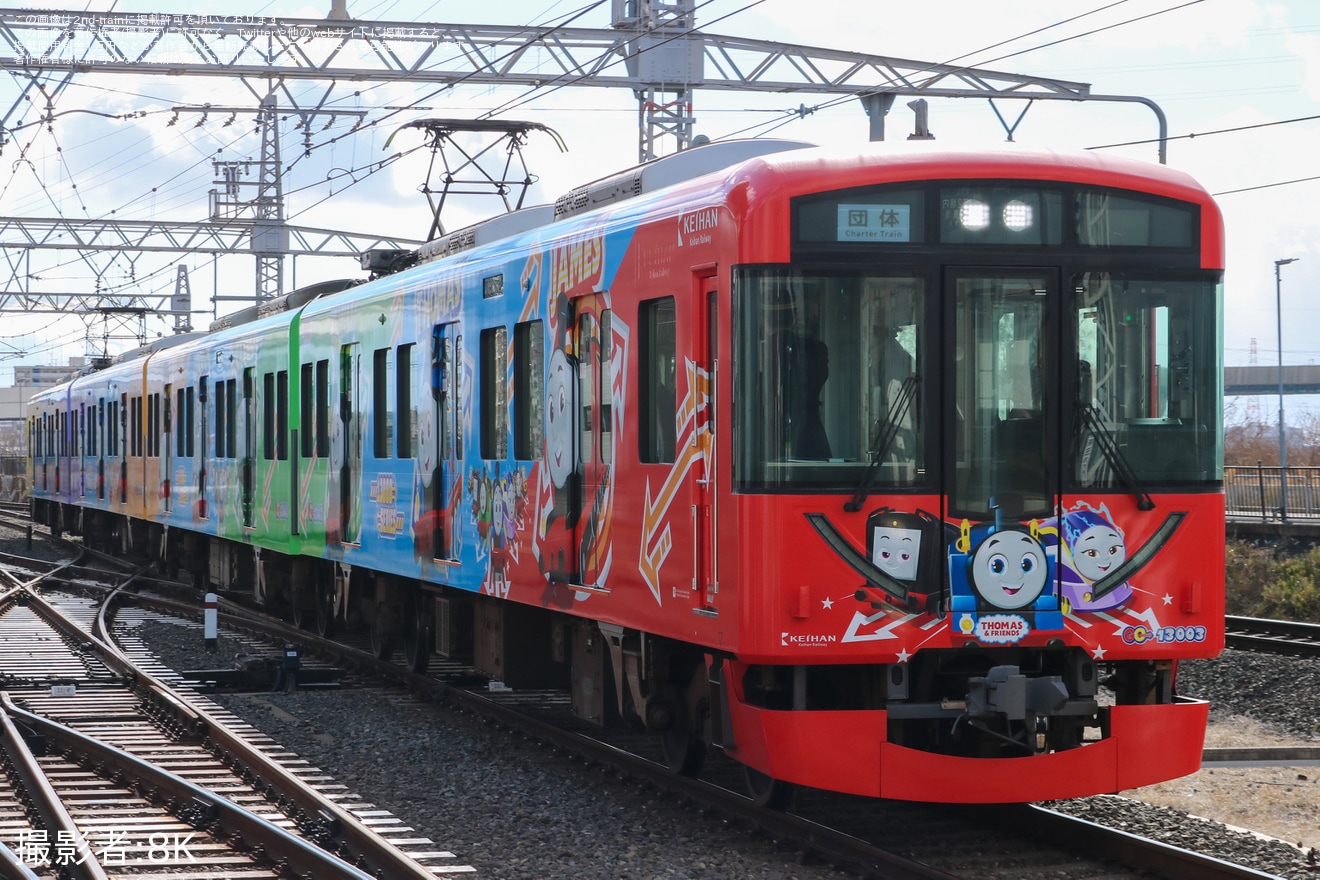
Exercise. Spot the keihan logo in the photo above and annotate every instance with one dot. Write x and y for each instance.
(787, 640)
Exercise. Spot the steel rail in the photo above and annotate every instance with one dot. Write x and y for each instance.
(1282, 756)
(833, 845)
(1296, 638)
(837, 846)
(1102, 841)
(301, 855)
(13, 866)
(379, 855)
(45, 800)
(151, 689)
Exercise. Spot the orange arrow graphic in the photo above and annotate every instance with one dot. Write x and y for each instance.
(657, 538)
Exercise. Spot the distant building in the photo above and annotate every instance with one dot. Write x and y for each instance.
(14, 400)
(46, 376)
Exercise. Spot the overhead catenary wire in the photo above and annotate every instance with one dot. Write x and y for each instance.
(356, 172)
(800, 112)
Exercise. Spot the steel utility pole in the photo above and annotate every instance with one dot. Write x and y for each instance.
(1283, 443)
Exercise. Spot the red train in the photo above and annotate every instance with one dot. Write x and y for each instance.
(895, 472)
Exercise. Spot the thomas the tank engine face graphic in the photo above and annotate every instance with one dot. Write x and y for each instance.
(1008, 570)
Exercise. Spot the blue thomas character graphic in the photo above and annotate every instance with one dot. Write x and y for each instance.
(1008, 570)
(1000, 580)
(1090, 546)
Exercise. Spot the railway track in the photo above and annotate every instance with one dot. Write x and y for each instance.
(842, 831)
(1273, 636)
(122, 773)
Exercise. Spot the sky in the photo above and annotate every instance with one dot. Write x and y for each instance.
(1238, 80)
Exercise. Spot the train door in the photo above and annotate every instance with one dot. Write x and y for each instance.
(80, 449)
(591, 320)
(441, 441)
(100, 431)
(124, 447)
(1002, 439)
(167, 449)
(350, 443)
(705, 503)
(202, 444)
(248, 454)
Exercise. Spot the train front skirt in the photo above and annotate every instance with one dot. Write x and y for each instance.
(849, 751)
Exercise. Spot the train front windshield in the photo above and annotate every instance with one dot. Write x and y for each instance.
(825, 361)
(1031, 379)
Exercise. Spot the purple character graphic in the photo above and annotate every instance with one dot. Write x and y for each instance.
(1090, 547)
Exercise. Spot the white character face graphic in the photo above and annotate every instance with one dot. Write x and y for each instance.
(1097, 551)
(1008, 570)
(559, 418)
(336, 443)
(895, 552)
(426, 449)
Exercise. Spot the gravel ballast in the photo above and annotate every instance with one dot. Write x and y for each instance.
(514, 810)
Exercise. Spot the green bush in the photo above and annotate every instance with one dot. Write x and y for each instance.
(1247, 570)
(1293, 593)
(1260, 583)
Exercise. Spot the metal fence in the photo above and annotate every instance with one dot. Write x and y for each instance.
(1255, 492)
(13, 478)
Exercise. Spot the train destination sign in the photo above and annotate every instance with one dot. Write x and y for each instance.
(874, 223)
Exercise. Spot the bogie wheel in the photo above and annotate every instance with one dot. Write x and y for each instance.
(382, 635)
(418, 633)
(325, 606)
(766, 791)
(301, 615)
(170, 564)
(684, 749)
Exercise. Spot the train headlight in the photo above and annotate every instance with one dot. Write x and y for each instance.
(1018, 216)
(974, 215)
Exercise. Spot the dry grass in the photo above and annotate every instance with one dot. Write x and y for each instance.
(1282, 802)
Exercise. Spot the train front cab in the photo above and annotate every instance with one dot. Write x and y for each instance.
(978, 487)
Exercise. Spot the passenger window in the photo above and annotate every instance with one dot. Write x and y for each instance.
(382, 415)
(494, 394)
(323, 409)
(306, 413)
(528, 389)
(405, 393)
(658, 407)
(282, 415)
(587, 369)
(267, 413)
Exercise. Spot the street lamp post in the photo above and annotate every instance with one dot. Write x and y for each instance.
(1283, 445)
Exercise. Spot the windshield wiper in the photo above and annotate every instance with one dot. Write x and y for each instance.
(1104, 438)
(884, 437)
